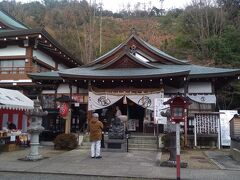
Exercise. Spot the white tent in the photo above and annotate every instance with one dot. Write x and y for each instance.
(13, 99)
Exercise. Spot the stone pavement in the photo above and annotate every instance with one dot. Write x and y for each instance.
(223, 160)
(133, 165)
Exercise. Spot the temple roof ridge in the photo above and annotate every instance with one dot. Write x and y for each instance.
(158, 51)
(143, 43)
(131, 56)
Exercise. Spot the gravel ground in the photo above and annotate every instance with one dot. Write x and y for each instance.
(196, 159)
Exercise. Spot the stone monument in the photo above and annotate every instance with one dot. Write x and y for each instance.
(34, 130)
(116, 130)
(116, 136)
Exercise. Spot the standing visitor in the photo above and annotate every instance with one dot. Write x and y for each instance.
(95, 127)
(118, 112)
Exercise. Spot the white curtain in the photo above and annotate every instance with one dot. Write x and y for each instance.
(96, 101)
(205, 99)
(100, 101)
(145, 100)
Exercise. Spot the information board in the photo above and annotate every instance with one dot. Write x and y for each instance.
(158, 108)
(131, 125)
(225, 117)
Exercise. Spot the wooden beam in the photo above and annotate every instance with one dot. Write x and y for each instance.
(13, 57)
(29, 56)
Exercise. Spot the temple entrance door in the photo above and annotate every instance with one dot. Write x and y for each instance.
(136, 112)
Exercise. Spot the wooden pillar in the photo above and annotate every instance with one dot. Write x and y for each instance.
(89, 113)
(68, 122)
(55, 96)
(69, 115)
(29, 57)
(20, 117)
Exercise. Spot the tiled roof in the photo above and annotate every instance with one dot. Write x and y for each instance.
(36, 31)
(45, 75)
(193, 71)
(10, 21)
(149, 69)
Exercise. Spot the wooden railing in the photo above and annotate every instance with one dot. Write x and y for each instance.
(16, 70)
(20, 70)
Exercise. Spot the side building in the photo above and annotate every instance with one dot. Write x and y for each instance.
(26, 50)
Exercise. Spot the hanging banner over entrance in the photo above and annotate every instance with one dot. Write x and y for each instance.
(100, 101)
(146, 100)
(96, 101)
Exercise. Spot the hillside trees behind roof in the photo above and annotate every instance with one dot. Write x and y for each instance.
(206, 31)
(78, 25)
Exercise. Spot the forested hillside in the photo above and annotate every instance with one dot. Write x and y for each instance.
(205, 32)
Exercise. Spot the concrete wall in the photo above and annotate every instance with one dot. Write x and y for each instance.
(13, 50)
(200, 87)
(193, 87)
(44, 57)
(168, 89)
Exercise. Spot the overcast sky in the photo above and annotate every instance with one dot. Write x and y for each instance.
(116, 5)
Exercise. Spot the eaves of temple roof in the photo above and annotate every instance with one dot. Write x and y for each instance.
(45, 36)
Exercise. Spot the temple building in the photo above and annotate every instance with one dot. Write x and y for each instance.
(26, 50)
(128, 79)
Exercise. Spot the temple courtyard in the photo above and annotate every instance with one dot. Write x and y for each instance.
(77, 164)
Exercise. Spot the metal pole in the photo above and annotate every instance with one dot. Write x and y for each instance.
(195, 132)
(178, 150)
(219, 133)
(127, 142)
(185, 131)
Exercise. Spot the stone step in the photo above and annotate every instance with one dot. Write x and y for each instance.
(142, 149)
(142, 141)
(142, 137)
(154, 146)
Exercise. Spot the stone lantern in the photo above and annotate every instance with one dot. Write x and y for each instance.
(34, 130)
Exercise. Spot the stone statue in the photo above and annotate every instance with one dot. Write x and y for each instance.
(116, 130)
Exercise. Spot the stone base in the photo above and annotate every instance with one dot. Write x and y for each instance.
(235, 154)
(173, 164)
(115, 145)
(33, 158)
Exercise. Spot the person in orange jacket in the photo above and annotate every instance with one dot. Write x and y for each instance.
(95, 127)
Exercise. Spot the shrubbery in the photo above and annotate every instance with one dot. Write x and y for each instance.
(65, 141)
